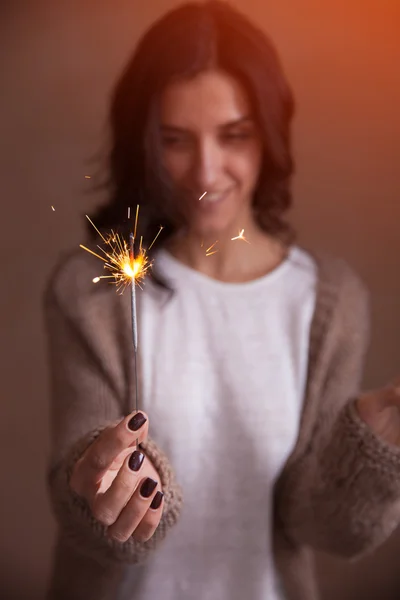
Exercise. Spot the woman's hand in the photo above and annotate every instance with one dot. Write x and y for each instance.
(119, 482)
(381, 411)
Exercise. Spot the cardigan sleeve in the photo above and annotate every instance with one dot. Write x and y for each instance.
(342, 495)
(86, 397)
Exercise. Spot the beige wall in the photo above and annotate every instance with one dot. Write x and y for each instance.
(57, 62)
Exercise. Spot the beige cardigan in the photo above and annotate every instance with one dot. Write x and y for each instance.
(339, 491)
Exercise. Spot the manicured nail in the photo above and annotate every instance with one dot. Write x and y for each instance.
(137, 421)
(157, 500)
(135, 460)
(148, 487)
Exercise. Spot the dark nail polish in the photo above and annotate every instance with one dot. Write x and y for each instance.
(137, 421)
(157, 500)
(148, 487)
(135, 460)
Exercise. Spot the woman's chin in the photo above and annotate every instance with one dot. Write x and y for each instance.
(212, 233)
(214, 227)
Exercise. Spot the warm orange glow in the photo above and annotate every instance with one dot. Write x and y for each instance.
(135, 271)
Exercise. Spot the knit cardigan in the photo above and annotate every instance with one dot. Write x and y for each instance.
(338, 492)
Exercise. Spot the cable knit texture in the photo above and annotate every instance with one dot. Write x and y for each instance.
(340, 488)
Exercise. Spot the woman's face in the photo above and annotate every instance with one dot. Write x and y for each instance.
(211, 144)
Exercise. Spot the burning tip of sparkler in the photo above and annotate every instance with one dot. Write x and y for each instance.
(202, 196)
(240, 237)
(52, 208)
(119, 259)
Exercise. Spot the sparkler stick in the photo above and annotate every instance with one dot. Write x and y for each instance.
(133, 295)
(132, 238)
(133, 313)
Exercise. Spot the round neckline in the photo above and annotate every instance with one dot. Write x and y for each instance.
(180, 268)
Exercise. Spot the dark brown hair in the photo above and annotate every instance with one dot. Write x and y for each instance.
(183, 43)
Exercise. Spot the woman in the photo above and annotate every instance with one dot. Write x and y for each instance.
(250, 354)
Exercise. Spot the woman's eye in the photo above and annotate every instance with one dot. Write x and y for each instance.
(171, 141)
(175, 141)
(240, 135)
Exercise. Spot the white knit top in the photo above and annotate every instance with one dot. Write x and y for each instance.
(224, 368)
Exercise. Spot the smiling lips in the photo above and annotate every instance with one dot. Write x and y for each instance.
(213, 197)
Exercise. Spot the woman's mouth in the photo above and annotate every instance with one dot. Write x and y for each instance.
(212, 198)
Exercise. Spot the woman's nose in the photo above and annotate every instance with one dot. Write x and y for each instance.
(207, 165)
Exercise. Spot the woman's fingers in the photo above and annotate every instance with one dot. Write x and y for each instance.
(132, 501)
(150, 521)
(100, 455)
(137, 517)
(107, 506)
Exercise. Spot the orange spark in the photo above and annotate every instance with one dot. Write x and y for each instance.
(210, 250)
(240, 237)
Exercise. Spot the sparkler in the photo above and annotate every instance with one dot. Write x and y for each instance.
(125, 269)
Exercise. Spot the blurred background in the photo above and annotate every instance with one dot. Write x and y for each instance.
(58, 62)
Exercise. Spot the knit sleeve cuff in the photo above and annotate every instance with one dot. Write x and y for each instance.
(85, 533)
(382, 458)
(356, 491)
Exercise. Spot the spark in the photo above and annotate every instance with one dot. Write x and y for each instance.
(52, 208)
(210, 250)
(136, 222)
(88, 177)
(202, 196)
(240, 237)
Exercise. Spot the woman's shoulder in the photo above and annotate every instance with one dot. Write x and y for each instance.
(342, 299)
(335, 273)
(72, 282)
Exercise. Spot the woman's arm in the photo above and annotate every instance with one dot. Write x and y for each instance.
(87, 395)
(343, 494)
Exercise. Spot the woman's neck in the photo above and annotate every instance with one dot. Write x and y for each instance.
(230, 260)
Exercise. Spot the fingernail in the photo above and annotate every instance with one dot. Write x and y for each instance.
(148, 487)
(135, 460)
(137, 421)
(157, 500)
